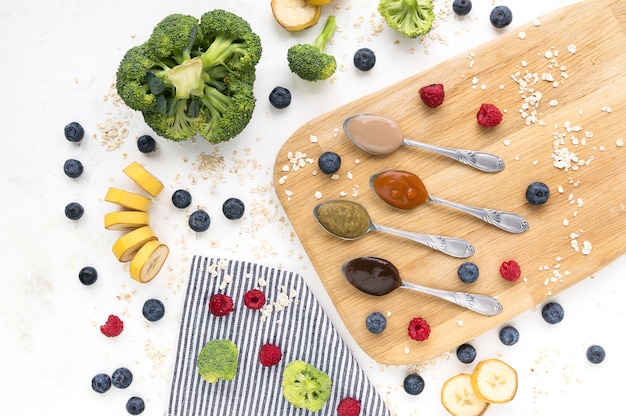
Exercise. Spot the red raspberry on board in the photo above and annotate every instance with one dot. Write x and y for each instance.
(488, 115)
(113, 326)
(220, 304)
(349, 407)
(510, 270)
(254, 299)
(270, 355)
(419, 330)
(432, 95)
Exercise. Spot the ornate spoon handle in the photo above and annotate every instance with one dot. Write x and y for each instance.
(487, 162)
(452, 246)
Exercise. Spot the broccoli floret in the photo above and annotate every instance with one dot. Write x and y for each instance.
(217, 360)
(412, 18)
(306, 387)
(193, 76)
(309, 61)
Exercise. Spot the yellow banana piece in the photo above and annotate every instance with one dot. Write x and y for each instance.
(127, 245)
(460, 399)
(494, 381)
(128, 199)
(148, 261)
(143, 178)
(126, 220)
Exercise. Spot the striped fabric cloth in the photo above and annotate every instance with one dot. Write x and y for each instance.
(292, 319)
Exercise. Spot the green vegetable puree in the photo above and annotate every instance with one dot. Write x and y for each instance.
(345, 219)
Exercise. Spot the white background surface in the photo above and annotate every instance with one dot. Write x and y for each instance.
(58, 61)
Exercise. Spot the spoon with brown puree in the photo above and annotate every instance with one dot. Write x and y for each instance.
(378, 277)
(350, 220)
(379, 135)
(406, 190)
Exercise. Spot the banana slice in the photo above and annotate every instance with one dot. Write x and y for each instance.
(143, 178)
(494, 381)
(127, 245)
(295, 15)
(148, 261)
(126, 220)
(127, 199)
(319, 2)
(460, 399)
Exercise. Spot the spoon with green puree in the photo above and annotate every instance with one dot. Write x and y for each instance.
(406, 190)
(350, 220)
(378, 277)
(379, 135)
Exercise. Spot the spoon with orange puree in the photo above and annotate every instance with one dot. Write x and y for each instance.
(379, 135)
(378, 277)
(406, 190)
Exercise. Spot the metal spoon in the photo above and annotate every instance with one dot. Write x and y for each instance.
(406, 190)
(349, 220)
(378, 277)
(380, 136)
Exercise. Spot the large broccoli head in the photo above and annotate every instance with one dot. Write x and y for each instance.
(412, 18)
(306, 387)
(217, 360)
(193, 76)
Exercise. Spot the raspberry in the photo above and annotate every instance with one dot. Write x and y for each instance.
(254, 299)
(510, 270)
(270, 355)
(113, 326)
(220, 304)
(349, 407)
(488, 115)
(419, 330)
(432, 95)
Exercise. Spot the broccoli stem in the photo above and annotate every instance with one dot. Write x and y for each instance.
(221, 49)
(186, 77)
(327, 33)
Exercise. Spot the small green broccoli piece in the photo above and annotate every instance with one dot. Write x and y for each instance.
(218, 360)
(193, 76)
(306, 387)
(309, 61)
(412, 18)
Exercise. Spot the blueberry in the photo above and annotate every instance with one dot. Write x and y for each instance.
(88, 275)
(595, 354)
(199, 221)
(501, 16)
(537, 193)
(73, 168)
(552, 313)
(101, 383)
(329, 162)
(376, 322)
(364, 59)
(74, 211)
(414, 384)
(181, 198)
(146, 144)
(468, 272)
(153, 310)
(135, 405)
(461, 7)
(233, 208)
(509, 335)
(466, 353)
(280, 97)
(121, 378)
(74, 132)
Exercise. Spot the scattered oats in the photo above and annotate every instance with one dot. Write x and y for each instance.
(535, 162)
(524, 64)
(334, 176)
(262, 282)
(288, 193)
(507, 142)
(349, 175)
(282, 180)
(285, 168)
(471, 64)
(388, 314)
(317, 195)
(553, 103)
(606, 109)
(522, 35)
(459, 322)
(571, 48)
(343, 193)
(560, 189)
(483, 87)
(407, 350)
(565, 222)
(313, 139)
(537, 22)
(619, 142)
(357, 161)
(586, 250)
(548, 54)
(474, 81)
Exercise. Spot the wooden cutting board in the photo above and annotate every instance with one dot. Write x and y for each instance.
(581, 109)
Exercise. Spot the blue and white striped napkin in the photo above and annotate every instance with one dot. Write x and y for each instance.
(293, 320)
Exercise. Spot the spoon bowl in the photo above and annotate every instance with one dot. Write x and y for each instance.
(406, 190)
(378, 277)
(350, 220)
(379, 135)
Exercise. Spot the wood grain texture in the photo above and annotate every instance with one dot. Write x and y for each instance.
(593, 197)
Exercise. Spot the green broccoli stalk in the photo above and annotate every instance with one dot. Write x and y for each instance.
(217, 360)
(412, 18)
(306, 387)
(193, 76)
(308, 61)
